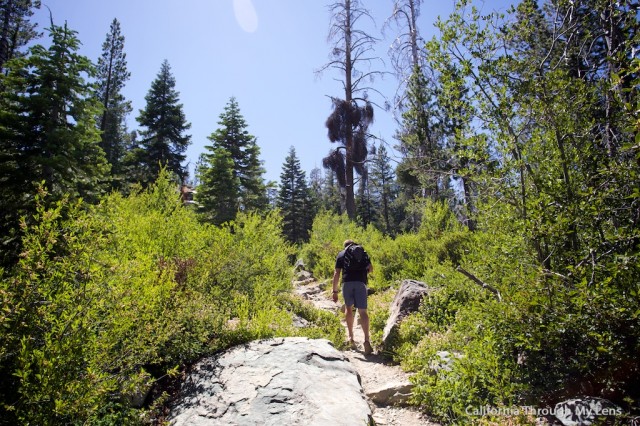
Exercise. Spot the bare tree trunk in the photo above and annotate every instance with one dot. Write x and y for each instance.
(414, 35)
(348, 96)
(468, 202)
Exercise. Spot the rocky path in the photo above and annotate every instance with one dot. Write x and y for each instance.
(385, 384)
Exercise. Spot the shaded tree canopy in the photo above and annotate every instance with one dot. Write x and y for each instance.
(48, 133)
(16, 31)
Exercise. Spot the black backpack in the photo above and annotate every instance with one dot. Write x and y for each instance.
(355, 258)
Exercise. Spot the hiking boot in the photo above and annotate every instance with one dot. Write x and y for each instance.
(352, 345)
(367, 348)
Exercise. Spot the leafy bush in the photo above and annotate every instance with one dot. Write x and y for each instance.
(322, 324)
(551, 336)
(107, 299)
(378, 310)
(327, 239)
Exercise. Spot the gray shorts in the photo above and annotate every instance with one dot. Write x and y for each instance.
(355, 293)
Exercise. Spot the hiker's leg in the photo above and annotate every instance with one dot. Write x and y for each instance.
(364, 323)
(348, 316)
(349, 300)
(360, 295)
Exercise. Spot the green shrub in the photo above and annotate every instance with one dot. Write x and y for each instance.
(378, 310)
(327, 237)
(107, 299)
(322, 324)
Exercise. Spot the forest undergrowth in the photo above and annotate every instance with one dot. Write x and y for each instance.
(108, 300)
(543, 340)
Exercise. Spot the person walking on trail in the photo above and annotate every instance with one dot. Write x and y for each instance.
(354, 265)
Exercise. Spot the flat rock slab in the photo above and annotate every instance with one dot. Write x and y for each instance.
(393, 393)
(284, 381)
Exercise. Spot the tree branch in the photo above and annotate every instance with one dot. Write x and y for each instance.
(480, 283)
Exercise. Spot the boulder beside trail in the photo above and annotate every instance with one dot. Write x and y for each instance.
(586, 410)
(283, 381)
(406, 301)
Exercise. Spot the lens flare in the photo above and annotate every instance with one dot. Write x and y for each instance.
(246, 15)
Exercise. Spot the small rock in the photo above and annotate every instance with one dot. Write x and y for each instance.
(379, 419)
(391, 394)
(300, 322)
(443, 361)
(299, 266)
(585, 411)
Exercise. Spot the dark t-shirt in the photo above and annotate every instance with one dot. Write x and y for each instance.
(348, 276)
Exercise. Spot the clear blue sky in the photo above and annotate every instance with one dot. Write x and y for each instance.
(263, 52)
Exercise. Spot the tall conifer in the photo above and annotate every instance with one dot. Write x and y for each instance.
(47, 129)
(164, 141)
(294, 200)
(348, 124)
(233, 136)
(384, 190)
(217, 194)
(112, 76)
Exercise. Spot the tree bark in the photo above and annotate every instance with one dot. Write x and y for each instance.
(348, 96)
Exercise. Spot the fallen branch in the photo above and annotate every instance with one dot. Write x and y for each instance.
(480, 283)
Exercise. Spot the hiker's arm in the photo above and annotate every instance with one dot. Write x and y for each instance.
(370, 268)
(336, 281)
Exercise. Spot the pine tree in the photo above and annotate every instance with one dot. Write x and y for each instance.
(294, 200)
(16, 31)
(47, 129)
(420, 170)
(232, 135)
(384, 190)
(349, 122)
(333, 194)
(317, 184)
(217, 193)
(164, 141)
(365, 206)
(112, 76)
(405, 53)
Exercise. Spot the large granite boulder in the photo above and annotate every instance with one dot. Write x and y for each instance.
(284, 381)
(406, 301)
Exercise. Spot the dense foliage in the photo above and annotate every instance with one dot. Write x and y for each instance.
(542, 341)
(107, 300)
(520, 171)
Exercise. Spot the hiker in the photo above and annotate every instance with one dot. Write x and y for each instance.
(354, 264)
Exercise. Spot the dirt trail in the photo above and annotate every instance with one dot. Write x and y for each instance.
(375, 371)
